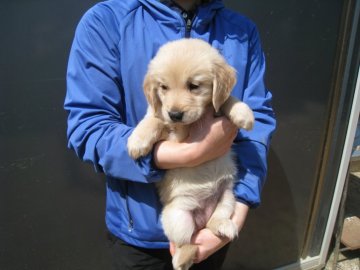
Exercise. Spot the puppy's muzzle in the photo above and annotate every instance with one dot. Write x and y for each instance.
(176, 116)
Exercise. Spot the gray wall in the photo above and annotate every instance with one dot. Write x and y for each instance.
(300, 41)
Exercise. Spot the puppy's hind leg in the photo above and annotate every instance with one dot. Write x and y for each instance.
(179, 227)
(184, 257)
(178, 224)
(220, 222)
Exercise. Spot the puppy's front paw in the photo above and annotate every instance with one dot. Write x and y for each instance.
(138, 146)
(242, 116)
(223, 227)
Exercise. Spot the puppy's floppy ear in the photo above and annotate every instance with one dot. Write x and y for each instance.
(150, 91)
(224, 81)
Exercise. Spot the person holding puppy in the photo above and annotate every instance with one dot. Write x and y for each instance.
(114, 42)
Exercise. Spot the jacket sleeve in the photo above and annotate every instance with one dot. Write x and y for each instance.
(251, 147)
(97, 131)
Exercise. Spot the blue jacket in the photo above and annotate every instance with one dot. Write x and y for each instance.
(113, 44)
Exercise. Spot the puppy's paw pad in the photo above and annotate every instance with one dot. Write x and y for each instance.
(242, 116)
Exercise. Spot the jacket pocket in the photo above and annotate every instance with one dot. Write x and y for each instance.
(127, 206)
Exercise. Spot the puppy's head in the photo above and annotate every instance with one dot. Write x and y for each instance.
(184, 78)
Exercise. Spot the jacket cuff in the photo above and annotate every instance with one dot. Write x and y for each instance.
(148, 168)
(242, 195)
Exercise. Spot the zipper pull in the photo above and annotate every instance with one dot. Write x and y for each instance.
(188, 23)
(131, 225)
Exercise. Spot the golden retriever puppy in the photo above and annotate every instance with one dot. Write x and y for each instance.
(184, 79)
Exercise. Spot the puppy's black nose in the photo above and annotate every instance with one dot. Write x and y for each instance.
(176, 116)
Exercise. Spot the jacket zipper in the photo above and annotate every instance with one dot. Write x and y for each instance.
(188, 23)
(131, 221)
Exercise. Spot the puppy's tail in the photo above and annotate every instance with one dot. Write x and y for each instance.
(184, 257)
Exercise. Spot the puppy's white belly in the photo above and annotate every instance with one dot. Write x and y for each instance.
(200, 183)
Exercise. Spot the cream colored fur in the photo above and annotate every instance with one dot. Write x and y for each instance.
(183, 80)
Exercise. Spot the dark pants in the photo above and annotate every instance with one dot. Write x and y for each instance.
(128, 257)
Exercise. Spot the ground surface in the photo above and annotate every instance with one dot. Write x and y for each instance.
(349, 260)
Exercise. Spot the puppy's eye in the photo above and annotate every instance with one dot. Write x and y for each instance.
(192, 86)
(164, 87)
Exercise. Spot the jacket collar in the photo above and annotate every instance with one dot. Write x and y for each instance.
(167, 15)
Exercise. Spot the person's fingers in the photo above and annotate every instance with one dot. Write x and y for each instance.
(172, 248)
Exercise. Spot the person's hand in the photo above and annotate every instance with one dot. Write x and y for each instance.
(209, 138)
(208, 243)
